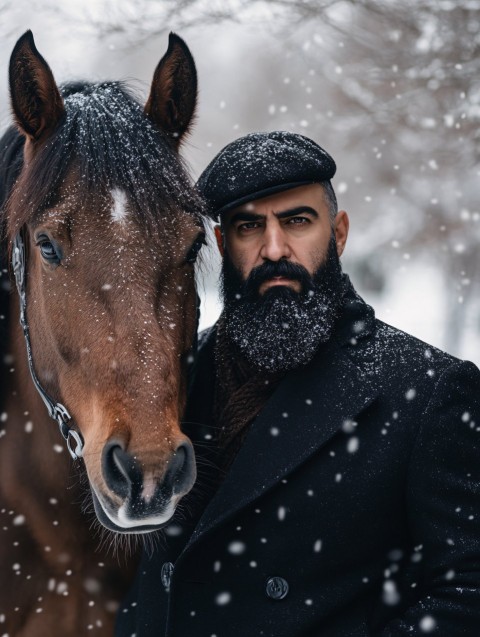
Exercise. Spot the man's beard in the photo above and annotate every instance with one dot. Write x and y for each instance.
(282, 329)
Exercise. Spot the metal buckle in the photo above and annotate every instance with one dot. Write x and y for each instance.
(78, 451)
(18, 261)
(62, 416)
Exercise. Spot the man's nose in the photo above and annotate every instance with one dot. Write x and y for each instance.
(275, 245)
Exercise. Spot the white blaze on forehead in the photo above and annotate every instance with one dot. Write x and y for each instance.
(119, 210)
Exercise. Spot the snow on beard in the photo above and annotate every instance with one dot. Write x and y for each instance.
(281, 329)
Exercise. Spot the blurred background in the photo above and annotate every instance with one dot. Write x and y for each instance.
(390, 88)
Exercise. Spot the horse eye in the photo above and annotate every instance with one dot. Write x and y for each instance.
(48, 251)
(196, 247)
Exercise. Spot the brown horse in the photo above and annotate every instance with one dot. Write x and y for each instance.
(99, 207)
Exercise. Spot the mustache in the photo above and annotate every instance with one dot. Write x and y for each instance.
(271, 269)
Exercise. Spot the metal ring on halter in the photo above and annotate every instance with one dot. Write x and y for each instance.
(61, 415)
(78, 451)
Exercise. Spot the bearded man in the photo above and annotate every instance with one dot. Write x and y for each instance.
(339, 458)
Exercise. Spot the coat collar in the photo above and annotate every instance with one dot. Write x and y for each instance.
(308, 407)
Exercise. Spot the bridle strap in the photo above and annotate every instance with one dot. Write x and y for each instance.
(56, 411)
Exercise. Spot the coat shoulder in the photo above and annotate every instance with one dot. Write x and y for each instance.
(404, 346)
(401, 354)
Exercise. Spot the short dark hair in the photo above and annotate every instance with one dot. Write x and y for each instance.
(330, 198)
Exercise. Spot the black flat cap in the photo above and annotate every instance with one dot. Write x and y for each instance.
(261, 164)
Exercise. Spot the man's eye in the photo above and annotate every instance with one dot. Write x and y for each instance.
(249, 225)
(298, 220)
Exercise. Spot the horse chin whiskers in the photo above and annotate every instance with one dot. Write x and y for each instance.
(123, 546)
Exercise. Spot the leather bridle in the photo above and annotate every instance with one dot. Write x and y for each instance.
(57, 411)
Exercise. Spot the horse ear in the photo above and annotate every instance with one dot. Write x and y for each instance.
(36, 101)
(173, 95)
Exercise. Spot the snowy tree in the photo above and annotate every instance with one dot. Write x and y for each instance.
(391, 89)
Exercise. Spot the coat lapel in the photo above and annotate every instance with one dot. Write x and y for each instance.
(308, 407)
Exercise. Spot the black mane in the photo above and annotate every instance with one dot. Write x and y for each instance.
(11, 159)
(106, 135)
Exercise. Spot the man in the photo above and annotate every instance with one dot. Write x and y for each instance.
(339, 458)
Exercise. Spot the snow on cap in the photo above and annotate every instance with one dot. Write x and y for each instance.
(261, 164)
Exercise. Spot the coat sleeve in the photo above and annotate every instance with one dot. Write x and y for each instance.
(443, 500)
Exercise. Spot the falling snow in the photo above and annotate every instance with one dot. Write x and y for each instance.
(223, 598)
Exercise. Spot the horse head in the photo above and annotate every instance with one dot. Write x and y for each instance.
(111, 226)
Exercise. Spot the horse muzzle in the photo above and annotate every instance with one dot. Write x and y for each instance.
(138, 500)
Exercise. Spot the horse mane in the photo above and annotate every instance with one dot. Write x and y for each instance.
(100, 134)
(11, 161)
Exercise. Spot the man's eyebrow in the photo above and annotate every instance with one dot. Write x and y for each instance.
(245, 215)
(296, 211)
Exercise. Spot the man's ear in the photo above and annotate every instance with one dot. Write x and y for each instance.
(342, 224)
(219, 238)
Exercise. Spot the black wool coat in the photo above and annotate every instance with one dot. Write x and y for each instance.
(351, 510)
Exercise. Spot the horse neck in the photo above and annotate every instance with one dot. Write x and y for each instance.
(36, 473)
(44, 528)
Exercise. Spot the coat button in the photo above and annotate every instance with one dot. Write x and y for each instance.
(166, 574)
(277, 588)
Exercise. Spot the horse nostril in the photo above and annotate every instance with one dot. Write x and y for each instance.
(182, 472)
(124, 476)
(119, 469)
